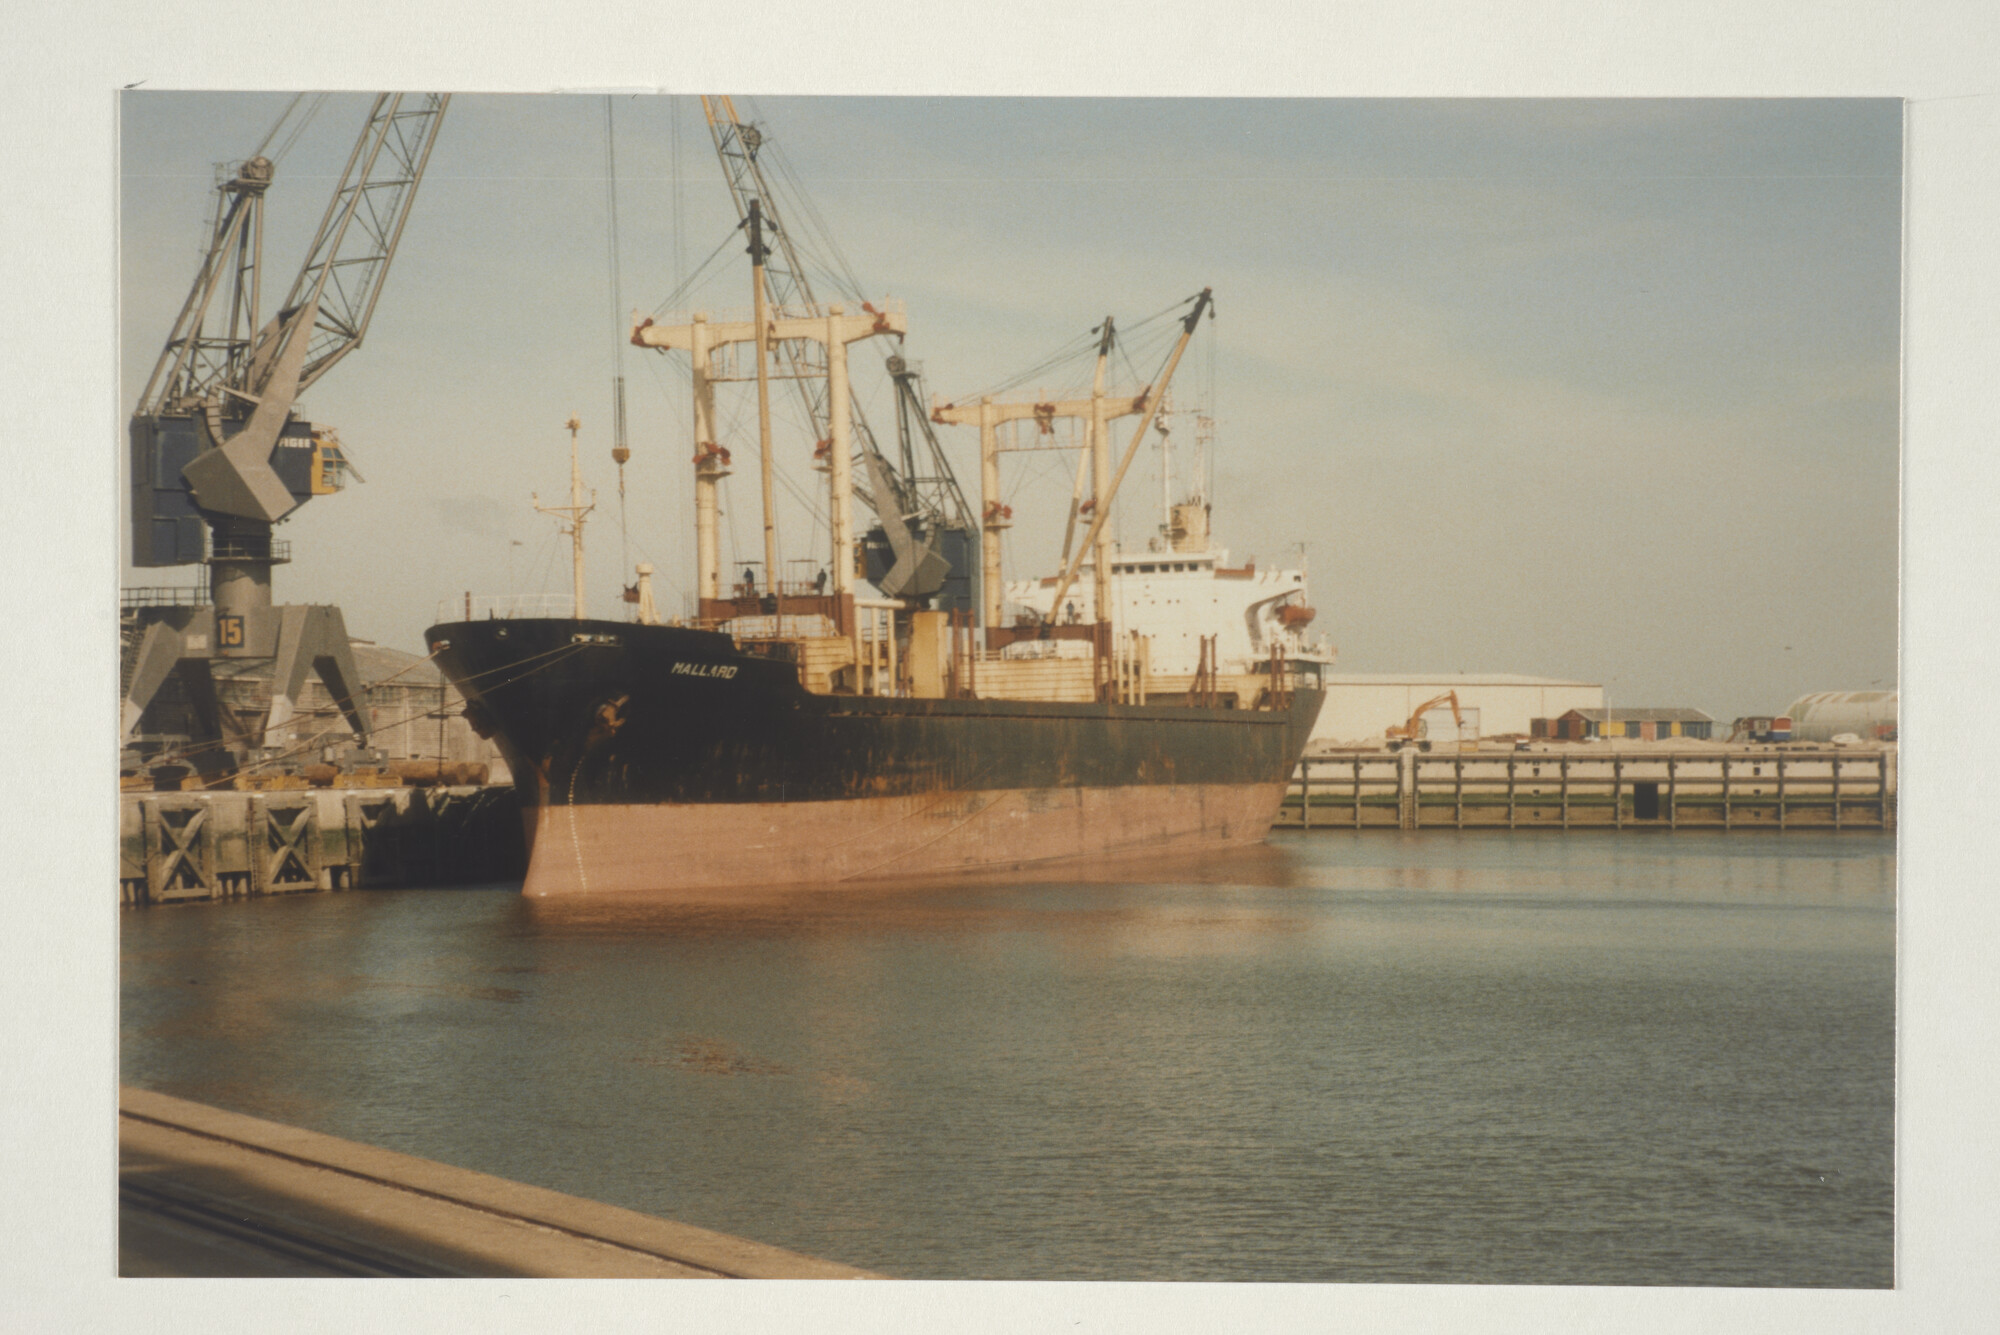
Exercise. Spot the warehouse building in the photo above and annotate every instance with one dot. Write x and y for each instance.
(1361, 706)
(413, 713)
(1632, 725)
(1825, 715)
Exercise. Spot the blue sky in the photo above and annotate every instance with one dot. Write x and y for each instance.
(1603, 389)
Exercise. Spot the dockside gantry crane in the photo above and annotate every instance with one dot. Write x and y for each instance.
(220, 454)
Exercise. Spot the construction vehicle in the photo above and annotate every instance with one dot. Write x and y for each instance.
(1413, 730)
(220, 454)
(1762, 728)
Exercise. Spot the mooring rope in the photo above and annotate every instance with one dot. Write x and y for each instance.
(575, 840)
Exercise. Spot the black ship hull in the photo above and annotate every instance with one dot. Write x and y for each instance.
(671, 760)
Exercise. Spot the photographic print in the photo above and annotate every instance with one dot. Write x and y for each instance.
(973, 688)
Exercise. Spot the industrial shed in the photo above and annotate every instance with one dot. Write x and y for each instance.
(1633, 725)
(1825, 715)
(405, 696)
(1360, 706)
(413, 713)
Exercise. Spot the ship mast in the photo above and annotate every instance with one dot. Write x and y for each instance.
(574, 511)
(758, 252)
(1100, 487)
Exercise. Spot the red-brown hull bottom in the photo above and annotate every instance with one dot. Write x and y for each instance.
(713, 850)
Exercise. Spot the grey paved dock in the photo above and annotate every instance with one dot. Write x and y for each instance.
(205, 1192)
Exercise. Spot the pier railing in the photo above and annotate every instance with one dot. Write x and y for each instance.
(504, 607)
(1740, 790)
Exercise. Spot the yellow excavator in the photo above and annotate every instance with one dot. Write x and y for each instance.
(1401, 735)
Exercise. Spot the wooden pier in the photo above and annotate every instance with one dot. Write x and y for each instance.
(183, 846)
(1740, 789)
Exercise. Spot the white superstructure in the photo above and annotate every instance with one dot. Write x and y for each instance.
(1173, 621)
(1175, 597)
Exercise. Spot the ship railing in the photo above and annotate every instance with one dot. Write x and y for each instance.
(811, 626)
(505, 607)
(194, 595)
(275, 550)
(743, 591)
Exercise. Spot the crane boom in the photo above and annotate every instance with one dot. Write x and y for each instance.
(193, 361)
(736, 144)
(364, 220)
(934, 502)
(233, 392)
(343, 271)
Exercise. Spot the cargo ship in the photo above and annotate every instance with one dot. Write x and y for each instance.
(813, 735)
(687, 761)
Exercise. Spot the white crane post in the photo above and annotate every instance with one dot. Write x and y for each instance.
(992, 515)
(1100, 491)
(840, 473)
(764, 339)
(989, 415)
(708, 471)
(700, 338)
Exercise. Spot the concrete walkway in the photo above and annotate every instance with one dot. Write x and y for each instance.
(206, 1192)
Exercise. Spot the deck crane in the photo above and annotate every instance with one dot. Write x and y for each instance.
(933, 509)
(220, 454)
(922, 547)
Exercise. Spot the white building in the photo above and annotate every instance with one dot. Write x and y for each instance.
(1825, 715)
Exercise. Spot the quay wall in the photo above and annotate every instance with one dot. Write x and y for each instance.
(190, 846)
(175, 847)
(1710, 788)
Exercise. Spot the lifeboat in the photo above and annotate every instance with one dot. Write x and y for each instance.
(1294, 616)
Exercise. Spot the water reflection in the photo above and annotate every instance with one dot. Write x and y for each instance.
(1479, 1057)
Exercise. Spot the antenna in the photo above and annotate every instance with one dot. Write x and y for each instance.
(574, 512)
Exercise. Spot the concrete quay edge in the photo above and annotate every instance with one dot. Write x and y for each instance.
(380, 1199)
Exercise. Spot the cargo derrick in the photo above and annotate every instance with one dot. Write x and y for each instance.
(1096, 412)
(220, 453)
(920, 550)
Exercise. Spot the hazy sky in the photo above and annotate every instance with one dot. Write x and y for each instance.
(1597, 389)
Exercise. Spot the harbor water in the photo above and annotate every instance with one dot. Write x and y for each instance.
(1513, 1058)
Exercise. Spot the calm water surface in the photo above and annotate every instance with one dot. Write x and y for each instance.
(1525, 1058)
